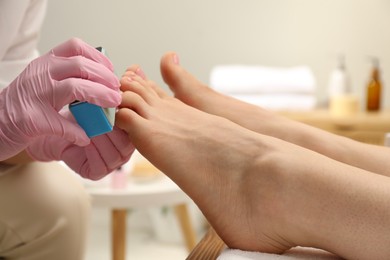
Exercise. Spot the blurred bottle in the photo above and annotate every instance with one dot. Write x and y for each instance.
(119, 179)
(374, 88)
(339, 84)
(342, 102)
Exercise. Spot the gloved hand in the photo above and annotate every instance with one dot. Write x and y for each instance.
(104, 154)
(29, 105)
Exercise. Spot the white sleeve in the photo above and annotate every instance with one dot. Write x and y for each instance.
(20, 24)
(11, 17)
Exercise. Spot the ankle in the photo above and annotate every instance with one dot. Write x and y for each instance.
(286, 212)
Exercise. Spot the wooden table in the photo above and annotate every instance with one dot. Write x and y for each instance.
(368, 127)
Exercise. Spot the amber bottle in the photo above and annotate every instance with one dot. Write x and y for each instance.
(374, 89)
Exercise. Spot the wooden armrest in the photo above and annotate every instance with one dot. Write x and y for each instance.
(208, 248)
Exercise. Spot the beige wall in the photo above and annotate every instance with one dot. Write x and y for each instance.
(210, 32)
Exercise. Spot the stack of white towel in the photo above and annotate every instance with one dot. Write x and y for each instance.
(270, 87)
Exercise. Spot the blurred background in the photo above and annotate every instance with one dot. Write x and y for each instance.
(255, 32)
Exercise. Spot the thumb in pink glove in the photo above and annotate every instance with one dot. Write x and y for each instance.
(104, 154)
(29, 105)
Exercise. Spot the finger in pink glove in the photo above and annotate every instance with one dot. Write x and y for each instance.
(104, 154)
(29, 106)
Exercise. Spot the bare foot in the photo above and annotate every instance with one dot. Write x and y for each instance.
(258, 192)
(214, 160)
(196, 94)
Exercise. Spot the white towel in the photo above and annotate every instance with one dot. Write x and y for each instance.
(301, 253)
(243, 79)
(278, 102)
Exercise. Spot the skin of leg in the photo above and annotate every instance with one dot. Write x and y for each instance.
(259, 193)
(194, 93)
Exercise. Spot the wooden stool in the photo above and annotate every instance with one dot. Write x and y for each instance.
(159, 192)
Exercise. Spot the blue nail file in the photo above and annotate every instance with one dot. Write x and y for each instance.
(94, 119)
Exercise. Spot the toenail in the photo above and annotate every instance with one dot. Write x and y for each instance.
(176, 59)
(140, 73)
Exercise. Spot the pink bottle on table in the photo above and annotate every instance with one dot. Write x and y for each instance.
(119, 179)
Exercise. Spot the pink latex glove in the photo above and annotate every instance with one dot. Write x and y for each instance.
(104, 154)
(29, 105)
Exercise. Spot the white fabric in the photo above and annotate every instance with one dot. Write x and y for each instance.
(301, 253)
(243, 79)
(20, 23)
